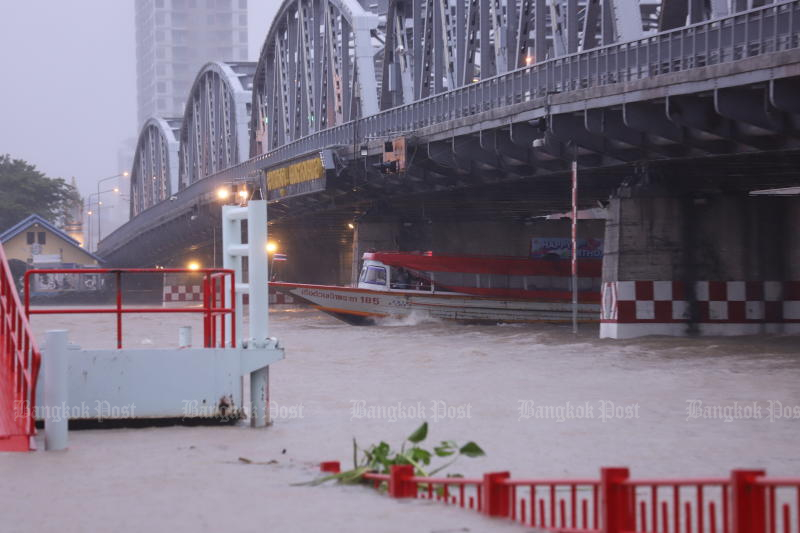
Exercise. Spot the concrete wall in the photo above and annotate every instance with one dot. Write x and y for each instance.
(313, 258)
(505, 237)
(792, 225)
(717, 265)
(465, 237)
(381, 236)
(461, 237)
(718, 238)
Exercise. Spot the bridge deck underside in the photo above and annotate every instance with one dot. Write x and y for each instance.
(733, 127)
(519, 200)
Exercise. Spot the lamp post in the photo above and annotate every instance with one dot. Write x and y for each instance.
(96, 212)
(89, 213)
(101, 180)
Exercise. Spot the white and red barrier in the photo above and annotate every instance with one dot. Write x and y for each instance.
(194, 293)
(183, 293)
(637, 308)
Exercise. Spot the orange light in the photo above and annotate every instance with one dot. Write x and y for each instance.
(223, 193)
(272, 247)
(193, 265)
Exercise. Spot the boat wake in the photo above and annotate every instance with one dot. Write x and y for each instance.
(415, 318)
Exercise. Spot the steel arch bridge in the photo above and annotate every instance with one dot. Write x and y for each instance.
(154, 176)
(495, 91)
(327, 62)
(214, 132)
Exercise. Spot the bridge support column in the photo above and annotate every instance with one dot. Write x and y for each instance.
(372, 235)
(700, 265)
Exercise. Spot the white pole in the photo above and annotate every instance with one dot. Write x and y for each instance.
(258, 276)
(185, 337)
(257, 281)
(56, 394)
(259, 397)
(575, 244)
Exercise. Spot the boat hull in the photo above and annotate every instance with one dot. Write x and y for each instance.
(364, 306)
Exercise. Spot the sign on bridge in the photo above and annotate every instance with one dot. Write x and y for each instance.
(299, 177)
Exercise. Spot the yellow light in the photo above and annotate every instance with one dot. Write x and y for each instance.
(528, 60)
(243, 193)
(125, 173)
(351, 225)
(193, 265)
(271, 247)
(116, 189)
(223, 193)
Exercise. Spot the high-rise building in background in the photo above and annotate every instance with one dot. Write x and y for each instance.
(174, 38)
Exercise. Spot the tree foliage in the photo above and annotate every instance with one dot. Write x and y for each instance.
(25, 190)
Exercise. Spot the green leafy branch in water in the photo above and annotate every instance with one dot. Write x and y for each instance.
(380, 457)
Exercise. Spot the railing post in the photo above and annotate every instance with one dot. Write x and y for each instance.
(400, 485)
(496, 494)
(56, 391)
(748, 507)
(616, 512)
(259, 398)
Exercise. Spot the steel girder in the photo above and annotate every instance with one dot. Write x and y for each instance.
(327, 62)
(214, 133)
(316, 70)
(458, 42)
(154, 176)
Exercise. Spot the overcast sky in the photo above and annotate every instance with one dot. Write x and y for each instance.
(68, 91)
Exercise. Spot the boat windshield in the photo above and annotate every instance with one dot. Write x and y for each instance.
(373, 274)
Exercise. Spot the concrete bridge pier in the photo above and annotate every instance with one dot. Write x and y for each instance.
(700, 264)
(380, 235)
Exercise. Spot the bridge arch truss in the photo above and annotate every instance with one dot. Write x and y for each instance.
(154, 176)
(328, 62)
(214, 133)
(316, 70)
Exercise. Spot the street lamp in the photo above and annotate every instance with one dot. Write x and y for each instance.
(115, 189)
(98, 204)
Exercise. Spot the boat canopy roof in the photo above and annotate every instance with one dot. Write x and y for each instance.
(486, 264)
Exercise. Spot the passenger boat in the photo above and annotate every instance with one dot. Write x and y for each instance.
(473, 288)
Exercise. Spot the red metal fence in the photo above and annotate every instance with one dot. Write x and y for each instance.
(215, 283)
(745, 502)
(19, 367)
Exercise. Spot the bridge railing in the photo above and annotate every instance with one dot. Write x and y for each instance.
(758, 31)
(215, 283)
(745, 502)
(19, 367)
(762, 30)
